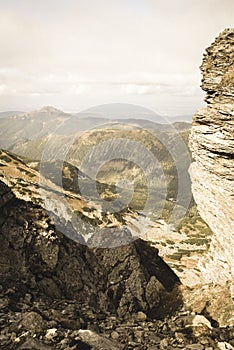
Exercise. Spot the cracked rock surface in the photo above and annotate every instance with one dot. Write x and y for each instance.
(212, 145)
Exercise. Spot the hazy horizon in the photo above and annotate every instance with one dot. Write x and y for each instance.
(115, 111)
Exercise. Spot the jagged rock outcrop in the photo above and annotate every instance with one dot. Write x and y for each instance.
(36, 257)
(56, 294)
(212, 145)
(48, 279)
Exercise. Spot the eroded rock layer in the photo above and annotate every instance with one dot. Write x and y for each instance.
(212, 145)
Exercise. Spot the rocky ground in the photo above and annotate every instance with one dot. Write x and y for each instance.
(66, 324)
(58, 294)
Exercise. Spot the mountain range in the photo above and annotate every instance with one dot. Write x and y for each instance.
(102, 243)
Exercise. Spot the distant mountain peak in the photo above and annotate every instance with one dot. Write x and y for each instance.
(45, 110)
(50, 109)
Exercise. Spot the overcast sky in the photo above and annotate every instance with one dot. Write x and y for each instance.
(76, 54)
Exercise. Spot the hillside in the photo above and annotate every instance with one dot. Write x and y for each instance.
(56, 290)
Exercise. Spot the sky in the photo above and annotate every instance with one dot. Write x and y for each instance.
(76, 54)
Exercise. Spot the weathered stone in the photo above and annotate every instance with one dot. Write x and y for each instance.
(141, 316)
(200, 320)
(164, 344)
(212, 145)
(115, 335)
(99, 342)
(194, 347)
(33, 344)
(224, 346)
(51, 333)
(32, 321)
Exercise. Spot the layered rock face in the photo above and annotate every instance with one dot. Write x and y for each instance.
(212, 145)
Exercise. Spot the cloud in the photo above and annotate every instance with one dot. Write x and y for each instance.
(113, 50)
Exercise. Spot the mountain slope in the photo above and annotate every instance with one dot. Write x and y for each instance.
(43, 272)
(55, 291)
(8, 114)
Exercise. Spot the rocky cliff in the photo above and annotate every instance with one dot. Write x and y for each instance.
(212, 145)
